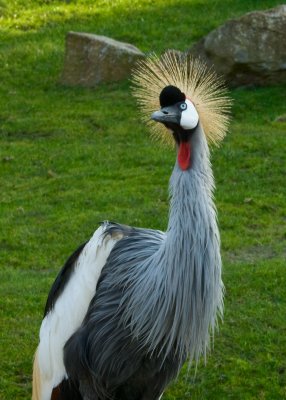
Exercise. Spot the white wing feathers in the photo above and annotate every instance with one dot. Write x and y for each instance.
(67, 314)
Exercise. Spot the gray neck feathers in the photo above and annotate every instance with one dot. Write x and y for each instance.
(180, 292)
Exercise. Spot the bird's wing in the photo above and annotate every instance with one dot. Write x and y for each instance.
(62, 279)
(104, 344)
(66, 307)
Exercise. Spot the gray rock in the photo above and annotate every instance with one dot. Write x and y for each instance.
(92, 59)
(250, 50)
(281, 119)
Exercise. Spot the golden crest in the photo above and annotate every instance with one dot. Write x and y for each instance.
(192, 76)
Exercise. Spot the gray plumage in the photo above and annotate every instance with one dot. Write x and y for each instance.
(158, 296)
(175, 300)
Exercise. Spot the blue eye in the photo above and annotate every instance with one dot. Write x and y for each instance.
(183, 106)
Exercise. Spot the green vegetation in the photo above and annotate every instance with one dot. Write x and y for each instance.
(72, 157)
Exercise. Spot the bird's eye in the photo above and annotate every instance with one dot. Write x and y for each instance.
(183, 106)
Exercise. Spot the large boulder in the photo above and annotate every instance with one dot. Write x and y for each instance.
(250, 50)
(92, 59)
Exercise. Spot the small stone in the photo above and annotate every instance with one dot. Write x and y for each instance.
(281, 118)
(8, 158)
(51, 174)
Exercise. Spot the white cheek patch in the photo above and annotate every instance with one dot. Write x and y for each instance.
(189, 117)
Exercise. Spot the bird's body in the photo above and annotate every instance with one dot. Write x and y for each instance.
(131, 305)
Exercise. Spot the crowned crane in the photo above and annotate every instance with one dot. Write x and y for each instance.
(131, 305)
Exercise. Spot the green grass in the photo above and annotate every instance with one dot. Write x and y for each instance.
(71, 157)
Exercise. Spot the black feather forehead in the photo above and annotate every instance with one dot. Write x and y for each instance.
(171, 95)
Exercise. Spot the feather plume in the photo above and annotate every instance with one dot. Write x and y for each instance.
(200, 84)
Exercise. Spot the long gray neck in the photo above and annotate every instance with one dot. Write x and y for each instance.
(193, 188)
(191, 253)
(176, 308)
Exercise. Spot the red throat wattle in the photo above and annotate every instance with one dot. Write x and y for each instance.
(184, 155)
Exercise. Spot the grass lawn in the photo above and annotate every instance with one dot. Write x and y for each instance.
(71, 157)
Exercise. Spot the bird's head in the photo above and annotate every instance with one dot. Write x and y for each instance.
(193, 101)
(180, 116)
